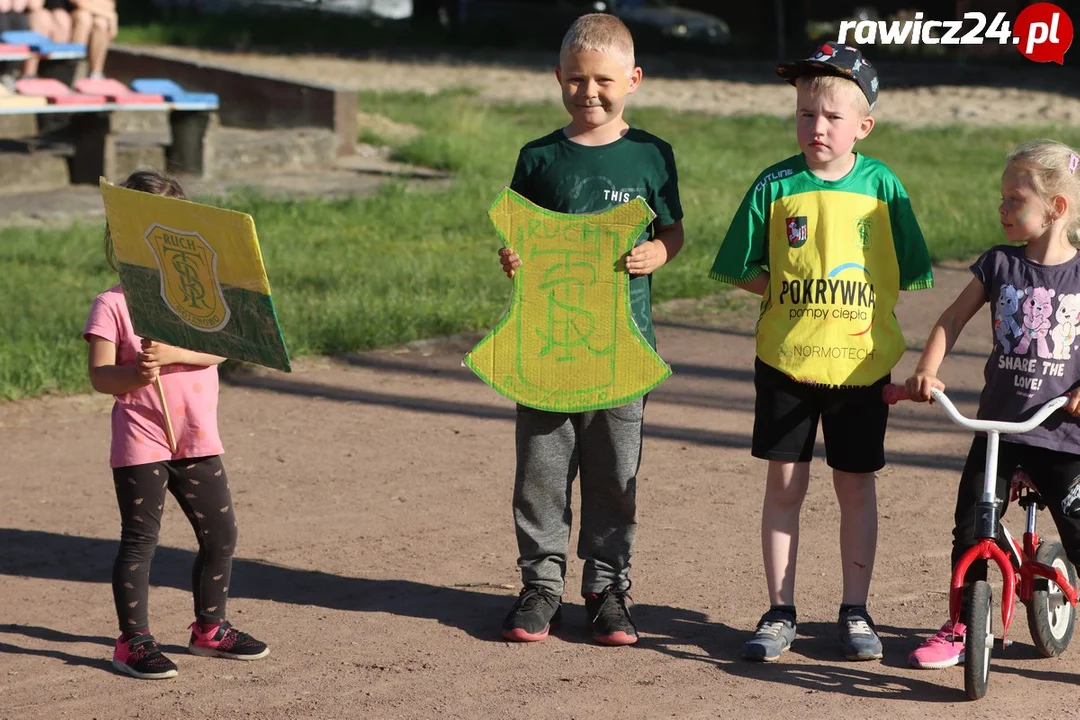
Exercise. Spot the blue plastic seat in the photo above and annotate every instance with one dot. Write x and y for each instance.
(32, 40)
(39, 43)
(172, 92)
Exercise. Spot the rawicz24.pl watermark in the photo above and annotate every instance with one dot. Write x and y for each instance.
(1042, 32)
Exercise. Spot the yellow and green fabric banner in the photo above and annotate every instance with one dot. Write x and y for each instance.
(193, 276)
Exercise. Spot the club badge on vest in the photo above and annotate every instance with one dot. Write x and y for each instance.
(796, 231)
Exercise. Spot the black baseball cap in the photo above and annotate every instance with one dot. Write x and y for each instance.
(835, 59)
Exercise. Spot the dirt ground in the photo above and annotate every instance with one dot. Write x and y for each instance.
(377, 557)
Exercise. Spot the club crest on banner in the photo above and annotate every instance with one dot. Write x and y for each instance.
(189, 281)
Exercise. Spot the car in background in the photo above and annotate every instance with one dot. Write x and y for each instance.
(656, 24)
(380, 9)
(682, 26)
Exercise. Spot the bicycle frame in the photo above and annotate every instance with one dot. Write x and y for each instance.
(1030, 569)
(1021, 580)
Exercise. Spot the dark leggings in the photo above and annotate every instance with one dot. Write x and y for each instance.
(201, 488)
(1053, 474)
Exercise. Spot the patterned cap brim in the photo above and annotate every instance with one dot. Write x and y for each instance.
(792, 71)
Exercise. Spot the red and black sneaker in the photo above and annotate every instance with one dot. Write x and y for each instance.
(225, 641)
(609, 618)
(140, 657)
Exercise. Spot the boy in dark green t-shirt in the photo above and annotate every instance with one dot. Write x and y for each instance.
(592, 165)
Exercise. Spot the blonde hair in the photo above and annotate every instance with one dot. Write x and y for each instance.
(600, 32)
(1051, 168)
(833, 85)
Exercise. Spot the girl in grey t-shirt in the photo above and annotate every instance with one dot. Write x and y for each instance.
(1034, 285)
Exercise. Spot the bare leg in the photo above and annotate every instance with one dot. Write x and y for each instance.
(98, 48)
(96, 33)
(785, 490)
(857, 496)
(41, 22)
(61, 27)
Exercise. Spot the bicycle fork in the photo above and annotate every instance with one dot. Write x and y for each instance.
(987, 514)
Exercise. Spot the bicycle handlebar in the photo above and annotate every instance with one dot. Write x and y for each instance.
(892, 394)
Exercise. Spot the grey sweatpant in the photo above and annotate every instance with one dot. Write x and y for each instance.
(605, 445)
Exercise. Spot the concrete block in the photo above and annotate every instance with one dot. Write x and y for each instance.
(130, 158)
(32, 171)
(239, 152)
(17, 126)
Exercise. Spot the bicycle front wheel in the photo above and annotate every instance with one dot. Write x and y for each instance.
(979, 640)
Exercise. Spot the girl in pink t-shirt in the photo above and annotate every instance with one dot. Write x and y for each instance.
(144, 467)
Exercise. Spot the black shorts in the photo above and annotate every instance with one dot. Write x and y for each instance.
(59, 5)
(14, 21)
(786, 416)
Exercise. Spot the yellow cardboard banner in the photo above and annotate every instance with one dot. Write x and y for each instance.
(193, 276)
(568, 341)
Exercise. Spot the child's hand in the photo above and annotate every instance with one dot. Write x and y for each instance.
(1073, 406)
(147, 371)
(157, 354)
(510, 261)
(919, 386)
(646, 257)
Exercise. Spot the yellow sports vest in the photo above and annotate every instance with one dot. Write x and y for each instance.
(838, 254)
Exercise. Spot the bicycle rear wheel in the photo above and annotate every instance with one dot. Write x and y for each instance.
(1051, 617)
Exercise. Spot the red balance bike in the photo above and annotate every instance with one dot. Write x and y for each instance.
(1039, 572)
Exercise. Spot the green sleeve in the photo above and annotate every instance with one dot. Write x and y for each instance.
(520, 181)
(916, 272)
(744, 254)
(665, 200)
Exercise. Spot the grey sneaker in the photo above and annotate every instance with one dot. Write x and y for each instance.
(774, 634)
(858, 636)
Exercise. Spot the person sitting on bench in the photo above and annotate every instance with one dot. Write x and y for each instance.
(94, 25)
(12, 17)
(50, 18)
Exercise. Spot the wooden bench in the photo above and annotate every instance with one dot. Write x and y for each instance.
(33, 43)
(91, 107)
(10, 52)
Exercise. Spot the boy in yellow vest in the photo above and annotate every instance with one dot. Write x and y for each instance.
(828, 239)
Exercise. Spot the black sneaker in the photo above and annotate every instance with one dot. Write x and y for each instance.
(140, 658)
(535, 613)
(609, 618)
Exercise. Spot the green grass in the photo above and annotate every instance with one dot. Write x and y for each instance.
(367, 272)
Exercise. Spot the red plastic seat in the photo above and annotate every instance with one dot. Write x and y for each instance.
(56, 92)
(115, 92)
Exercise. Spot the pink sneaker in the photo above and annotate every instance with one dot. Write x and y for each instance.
(942, 650)
(227, 642)
(140, 657)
